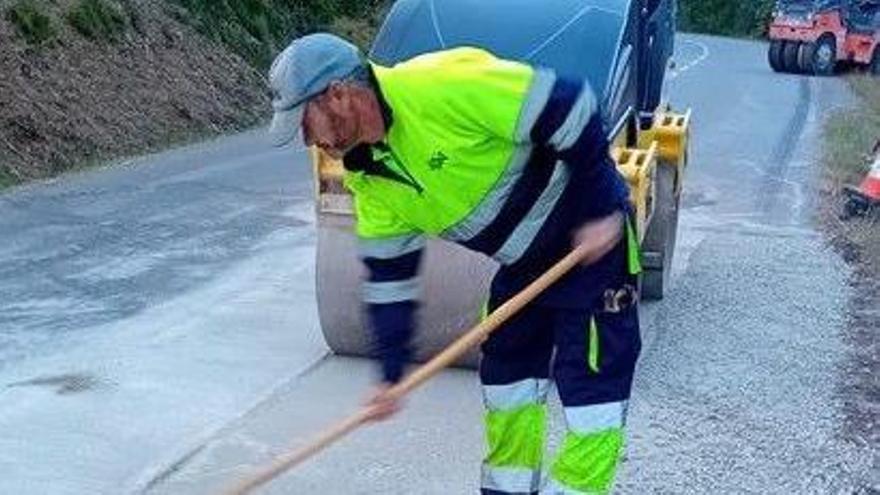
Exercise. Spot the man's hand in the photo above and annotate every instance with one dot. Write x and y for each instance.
(597, 237)
(381, 404)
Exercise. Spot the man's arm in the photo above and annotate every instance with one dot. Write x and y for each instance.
(391, 252)
(390, 293)
(562, 114)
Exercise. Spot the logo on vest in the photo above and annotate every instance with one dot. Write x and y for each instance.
(438, 159)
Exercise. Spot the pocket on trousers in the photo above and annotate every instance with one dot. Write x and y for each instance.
(618, 340)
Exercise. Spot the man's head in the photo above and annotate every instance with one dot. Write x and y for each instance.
(320, 88)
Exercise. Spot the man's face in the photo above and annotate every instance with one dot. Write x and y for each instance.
(330, 121)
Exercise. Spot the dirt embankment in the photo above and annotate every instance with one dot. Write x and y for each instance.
(850, 136)
(71, 99)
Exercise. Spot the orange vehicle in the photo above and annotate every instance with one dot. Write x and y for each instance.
(820, 36)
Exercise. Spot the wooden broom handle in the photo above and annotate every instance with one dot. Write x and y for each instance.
(472, 338)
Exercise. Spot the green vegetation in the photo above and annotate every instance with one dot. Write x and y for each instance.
(360, 30)
(33, 25)
(6, 178)
(850, 135)
(257, 29)
(97, 19)
(725, 17)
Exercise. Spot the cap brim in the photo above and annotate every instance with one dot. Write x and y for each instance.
(286, 127)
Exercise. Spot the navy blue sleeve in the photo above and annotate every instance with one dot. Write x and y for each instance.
(392, 326)
(390, 294)
(562, 115)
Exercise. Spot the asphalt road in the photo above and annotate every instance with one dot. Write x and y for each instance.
(159, 330)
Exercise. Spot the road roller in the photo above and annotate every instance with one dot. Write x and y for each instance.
(819, 36)
(622, 47)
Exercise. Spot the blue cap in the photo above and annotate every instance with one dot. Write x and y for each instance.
(302, 71)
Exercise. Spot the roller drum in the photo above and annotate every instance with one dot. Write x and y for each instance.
(454, 286)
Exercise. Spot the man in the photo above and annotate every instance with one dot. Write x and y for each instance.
(510, 161)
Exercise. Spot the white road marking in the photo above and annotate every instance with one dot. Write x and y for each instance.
(704, 53)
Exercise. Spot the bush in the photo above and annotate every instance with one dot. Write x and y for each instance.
(97, 19)
(257, 29)
(6, 177)
(34, 26)
(724, 17)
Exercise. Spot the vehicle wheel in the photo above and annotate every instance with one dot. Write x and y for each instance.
(659, 245)
(790, 56)
(824, 56)
(774, 55)
(805, 57)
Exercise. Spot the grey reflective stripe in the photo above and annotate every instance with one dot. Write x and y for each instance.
(511, 480)
(491, 204)
(621, 74)
(517, 394)
(390, 247)
(578, 117)
(391, 292)
(556, 488)
(585, 420)
(536, 100)
(524, 233)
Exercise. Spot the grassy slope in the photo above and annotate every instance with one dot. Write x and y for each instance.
(851, 134)
(849, 137)
(258, 29)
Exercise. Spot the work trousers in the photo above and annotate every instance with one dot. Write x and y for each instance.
(596, 342)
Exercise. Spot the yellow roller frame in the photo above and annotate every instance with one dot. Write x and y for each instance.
(665, 144)
(331, 195)
(671, 132)
(638, 167)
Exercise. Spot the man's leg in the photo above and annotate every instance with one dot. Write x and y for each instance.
(595, 358)
(514, 372)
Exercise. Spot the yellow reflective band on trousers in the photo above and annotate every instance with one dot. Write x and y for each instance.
(593, 346)
(587, 463)
(516, 436)
(633, 250)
